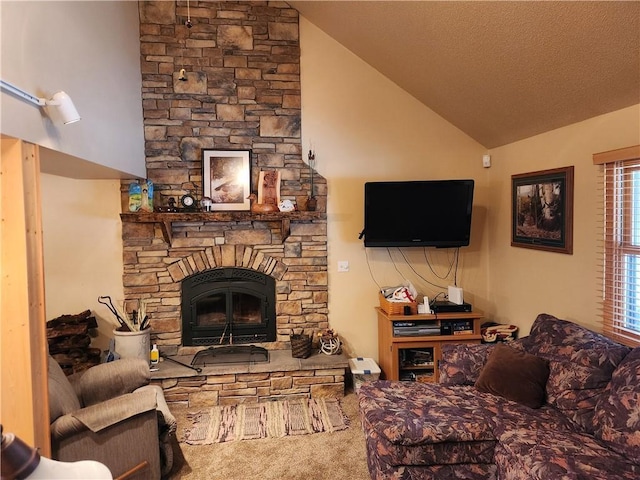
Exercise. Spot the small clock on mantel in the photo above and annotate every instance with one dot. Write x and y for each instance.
(188, 202)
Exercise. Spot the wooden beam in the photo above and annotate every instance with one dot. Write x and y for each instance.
(23, 360)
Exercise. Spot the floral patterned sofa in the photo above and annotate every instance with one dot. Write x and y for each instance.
(576, 417)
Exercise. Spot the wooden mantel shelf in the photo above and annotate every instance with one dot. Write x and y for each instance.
(165, 220)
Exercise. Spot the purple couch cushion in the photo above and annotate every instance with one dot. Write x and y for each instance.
(515, 375)
(617, 416)
(424, 424)
(581, 363)
(549, 453)
(413, 413)
(461, 363)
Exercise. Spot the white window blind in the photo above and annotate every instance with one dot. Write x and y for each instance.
(620, 247)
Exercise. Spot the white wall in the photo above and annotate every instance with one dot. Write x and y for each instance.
(91, 50)
(82, 236)
(365, 128)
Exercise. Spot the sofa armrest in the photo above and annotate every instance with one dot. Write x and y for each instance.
(110, 380)
(104, 415)
(461, 364)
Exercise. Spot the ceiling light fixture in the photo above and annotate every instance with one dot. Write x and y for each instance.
(63, 103)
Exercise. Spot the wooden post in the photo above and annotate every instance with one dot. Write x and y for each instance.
(24, 404)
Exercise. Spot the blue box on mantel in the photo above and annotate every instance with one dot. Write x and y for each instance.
(363, 370)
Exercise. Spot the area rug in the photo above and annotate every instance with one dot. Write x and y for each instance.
(264, 420)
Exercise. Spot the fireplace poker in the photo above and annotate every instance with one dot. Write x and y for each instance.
(197, 369)
(112, 308)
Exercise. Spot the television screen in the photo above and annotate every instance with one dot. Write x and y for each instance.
(430, 213)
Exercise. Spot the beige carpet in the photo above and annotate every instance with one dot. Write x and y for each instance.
(328, 455)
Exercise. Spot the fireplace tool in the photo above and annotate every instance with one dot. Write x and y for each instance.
(197, 369)
(112, 308)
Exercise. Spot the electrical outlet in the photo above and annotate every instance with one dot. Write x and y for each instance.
(343, 265)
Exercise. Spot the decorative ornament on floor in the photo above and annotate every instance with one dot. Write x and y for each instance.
(330, 343)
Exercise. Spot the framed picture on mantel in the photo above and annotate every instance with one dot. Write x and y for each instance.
(542, 210)
(227, 178)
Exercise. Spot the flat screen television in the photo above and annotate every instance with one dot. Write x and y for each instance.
(429, 213)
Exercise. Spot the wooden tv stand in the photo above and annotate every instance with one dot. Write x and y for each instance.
(413, 350)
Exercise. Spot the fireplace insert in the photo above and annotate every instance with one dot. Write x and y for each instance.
(225, 306)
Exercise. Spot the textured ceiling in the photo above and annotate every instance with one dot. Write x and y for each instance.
(499, 71)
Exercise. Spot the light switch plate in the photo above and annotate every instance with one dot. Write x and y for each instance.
(343, 265)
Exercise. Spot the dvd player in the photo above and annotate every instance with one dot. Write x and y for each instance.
(444, 306)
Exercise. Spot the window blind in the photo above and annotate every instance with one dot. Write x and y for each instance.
(619, 248)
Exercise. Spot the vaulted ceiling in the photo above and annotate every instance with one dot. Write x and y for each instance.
(500, 71)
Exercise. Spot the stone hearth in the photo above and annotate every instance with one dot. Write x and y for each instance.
(282, 378)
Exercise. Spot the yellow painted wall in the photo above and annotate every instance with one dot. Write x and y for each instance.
(367, 129)
(82, 247)
(526, 282)
(364, 128)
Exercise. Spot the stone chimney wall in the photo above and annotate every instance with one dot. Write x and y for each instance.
(242, 64)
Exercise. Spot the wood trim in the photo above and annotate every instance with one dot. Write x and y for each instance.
(23, 359)
(620, 154)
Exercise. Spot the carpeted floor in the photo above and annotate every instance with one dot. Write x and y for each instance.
(318, 456)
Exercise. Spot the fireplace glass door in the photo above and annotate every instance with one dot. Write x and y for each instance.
(234, 306)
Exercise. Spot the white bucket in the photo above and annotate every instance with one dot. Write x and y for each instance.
(133, 344)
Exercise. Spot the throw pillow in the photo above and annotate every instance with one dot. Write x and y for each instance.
(515, 375)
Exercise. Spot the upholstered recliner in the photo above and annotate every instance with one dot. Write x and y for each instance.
(111, 414)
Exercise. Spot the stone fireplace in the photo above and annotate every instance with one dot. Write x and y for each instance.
(231, 81)
(156, 271)
(241, 62)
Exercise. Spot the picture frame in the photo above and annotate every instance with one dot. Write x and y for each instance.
(226, 178)
(542, 210)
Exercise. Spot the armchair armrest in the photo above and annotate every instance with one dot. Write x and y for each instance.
(167, 423)
(106, 414)
(461, 363)
(110, 380)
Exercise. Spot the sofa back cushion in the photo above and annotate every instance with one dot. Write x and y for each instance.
(461, 363)
(617, 414)
(62, 396)
(581, 363)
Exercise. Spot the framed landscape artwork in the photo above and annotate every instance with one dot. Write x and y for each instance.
(542, 210)
(227, 178)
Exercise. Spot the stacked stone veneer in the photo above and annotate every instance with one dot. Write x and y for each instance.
(154, 270)
(288, 378)
(242, 63)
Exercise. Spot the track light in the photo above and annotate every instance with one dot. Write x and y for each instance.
(66, 108)
(63, 103)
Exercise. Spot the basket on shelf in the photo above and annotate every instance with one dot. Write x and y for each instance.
(300, 345)
(396, 308)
